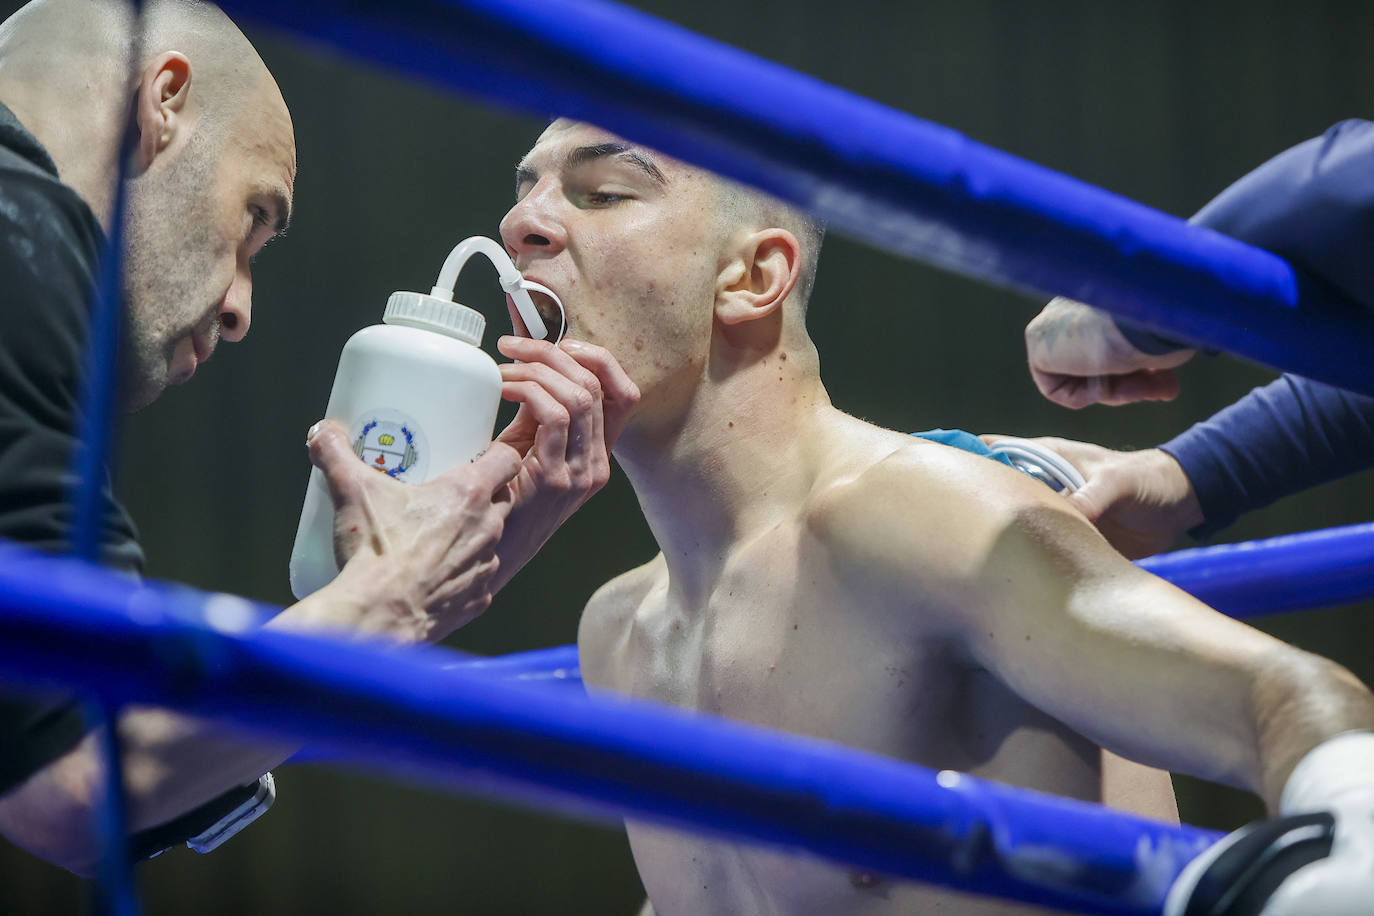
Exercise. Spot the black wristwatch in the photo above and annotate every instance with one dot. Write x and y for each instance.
(209, 826)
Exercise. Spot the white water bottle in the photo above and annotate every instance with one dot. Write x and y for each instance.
(418, 397)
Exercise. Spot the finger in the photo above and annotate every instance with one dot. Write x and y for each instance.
(483, 485)
(588, 432)
(551, 441)
(992, 438)
(1069, 391)
(1049, 384)
(583, 408)
(1079, 454)
(520, 432)
(331, 452)
(577, 398)
(541, 351)
(615, 381)
(494, 468)
(1092, 499)
(1145, 385)
(620, 393)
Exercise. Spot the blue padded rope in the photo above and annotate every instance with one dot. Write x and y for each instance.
(115, 887)
(115, 892)
(1287, 573)
(399, 710)
(557, 666)
(898, 182)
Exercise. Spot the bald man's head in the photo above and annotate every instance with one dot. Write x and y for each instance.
(211, 150)
(60, 43)
(231, 77)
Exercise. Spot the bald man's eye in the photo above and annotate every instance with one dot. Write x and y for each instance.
(261, 219)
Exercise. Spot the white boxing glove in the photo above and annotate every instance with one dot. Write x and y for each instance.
(1337, 776)
(1315, 859)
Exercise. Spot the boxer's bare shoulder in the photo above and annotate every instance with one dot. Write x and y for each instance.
(606, 620)
(925, 514)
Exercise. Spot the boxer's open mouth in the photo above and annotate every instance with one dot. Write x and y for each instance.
(548, 310)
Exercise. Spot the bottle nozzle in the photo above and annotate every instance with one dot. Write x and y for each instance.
(519, 292)
(512, 283)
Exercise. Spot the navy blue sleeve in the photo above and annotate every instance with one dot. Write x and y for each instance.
(1291, 434)
(1313, 205)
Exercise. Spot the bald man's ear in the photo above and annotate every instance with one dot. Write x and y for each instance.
(760, 278)
(160, 106)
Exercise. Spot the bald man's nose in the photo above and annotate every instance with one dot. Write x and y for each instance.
(236, 312)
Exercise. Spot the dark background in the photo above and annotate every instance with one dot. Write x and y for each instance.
(1163, 102)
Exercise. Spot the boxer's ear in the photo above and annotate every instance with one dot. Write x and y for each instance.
(160, 107)
(759, 278)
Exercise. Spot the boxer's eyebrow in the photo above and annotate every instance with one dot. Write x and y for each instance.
(583, 155)
(586, 154)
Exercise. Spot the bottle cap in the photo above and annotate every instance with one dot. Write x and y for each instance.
(430, 313)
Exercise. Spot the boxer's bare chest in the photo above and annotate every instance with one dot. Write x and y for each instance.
(786, 640)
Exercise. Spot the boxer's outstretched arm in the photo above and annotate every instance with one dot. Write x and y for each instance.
(1145, 669)
(1037, 596)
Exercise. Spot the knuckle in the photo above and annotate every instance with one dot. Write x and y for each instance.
(479, 599)
(583, 400)
(592, 352)
(465, 490)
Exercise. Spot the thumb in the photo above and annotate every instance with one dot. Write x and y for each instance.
(991, 438)
(497, 466)
(333, 454)
(1093, 499)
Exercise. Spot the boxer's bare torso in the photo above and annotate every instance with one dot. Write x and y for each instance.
(791, 629)
(822, 576)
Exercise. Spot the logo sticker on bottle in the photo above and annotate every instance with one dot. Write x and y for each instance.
(392, 443)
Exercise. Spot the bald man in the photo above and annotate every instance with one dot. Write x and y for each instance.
(823, 576)
(213, 167)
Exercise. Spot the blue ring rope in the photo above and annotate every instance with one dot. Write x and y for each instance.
(399, 710)
(1292, 572)
(115, 889)
(896, 181)
(97, 632)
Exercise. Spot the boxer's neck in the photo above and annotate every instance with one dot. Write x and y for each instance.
(740, 459)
